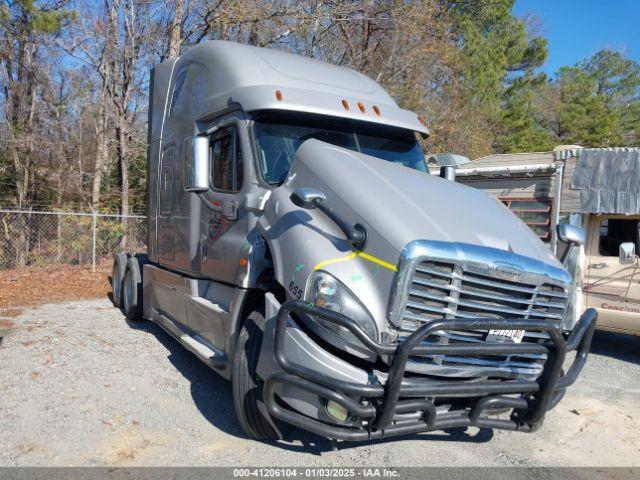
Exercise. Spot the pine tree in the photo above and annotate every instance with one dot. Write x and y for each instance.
(499, 58)
(522, 128)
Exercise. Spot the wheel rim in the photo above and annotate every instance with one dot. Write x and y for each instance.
(115, 282)
(127, 291)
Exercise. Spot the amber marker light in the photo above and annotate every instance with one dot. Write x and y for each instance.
(361, 107)
(278, 95)
(345, 104)
(422, 120)
(376, 110)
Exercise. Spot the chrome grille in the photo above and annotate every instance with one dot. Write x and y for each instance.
(447, 288)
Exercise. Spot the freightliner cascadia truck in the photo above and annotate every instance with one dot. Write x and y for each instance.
(299, 246)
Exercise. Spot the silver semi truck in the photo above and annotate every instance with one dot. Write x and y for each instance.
(298, 245)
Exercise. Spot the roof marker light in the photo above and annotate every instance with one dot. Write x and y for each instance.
(345, 104)
(361, 107)
(422, 120)
(376, 109)
(278, 95)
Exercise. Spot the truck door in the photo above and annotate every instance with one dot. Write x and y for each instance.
(611, 288)
(166, 203)
(224, 220)
(169, 287)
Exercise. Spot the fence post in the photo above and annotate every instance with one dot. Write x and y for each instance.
(59, 240)
(93, 238)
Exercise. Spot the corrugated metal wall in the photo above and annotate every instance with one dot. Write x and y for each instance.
(570, 198)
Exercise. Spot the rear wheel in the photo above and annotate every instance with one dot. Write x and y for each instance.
(117, 276)
(132, 290)
(247, 385)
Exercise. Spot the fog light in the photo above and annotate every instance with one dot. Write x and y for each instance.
(337, 411)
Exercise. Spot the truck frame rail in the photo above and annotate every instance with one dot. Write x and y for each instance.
(375, 406)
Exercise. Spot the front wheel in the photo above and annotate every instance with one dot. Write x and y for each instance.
(247, 385)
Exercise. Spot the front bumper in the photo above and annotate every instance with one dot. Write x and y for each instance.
(379, 410)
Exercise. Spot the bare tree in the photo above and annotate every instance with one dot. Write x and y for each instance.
(175, 29)
(23, 31)
(73, 84)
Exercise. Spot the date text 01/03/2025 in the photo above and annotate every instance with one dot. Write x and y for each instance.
(315, 472)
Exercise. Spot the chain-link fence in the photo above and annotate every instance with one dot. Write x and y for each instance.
(46, 238)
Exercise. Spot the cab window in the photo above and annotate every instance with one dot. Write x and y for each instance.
(166, 182)
(278, 138)
(226, 162)
(613, 232)
(177, 90)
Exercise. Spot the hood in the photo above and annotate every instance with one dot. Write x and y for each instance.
(402, 204)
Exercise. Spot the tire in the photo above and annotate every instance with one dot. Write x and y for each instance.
(117, 275)
(132, 290)
(247, 386)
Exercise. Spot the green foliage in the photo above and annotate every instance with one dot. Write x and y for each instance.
(36, 18)
(615, 77)
(522, 130)
(498, 58)
(585, 117)
(618, 79)
(598, 105)
(600, 101)
(51, 21)
(494, 44)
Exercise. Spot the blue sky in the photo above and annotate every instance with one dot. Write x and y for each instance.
(577, 29)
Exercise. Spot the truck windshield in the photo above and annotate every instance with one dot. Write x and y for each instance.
(278, 139)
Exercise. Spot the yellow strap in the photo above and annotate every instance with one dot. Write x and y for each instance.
(352, 255)
(378, 261)
(335, 260)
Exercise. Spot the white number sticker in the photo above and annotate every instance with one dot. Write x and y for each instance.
(505, 336)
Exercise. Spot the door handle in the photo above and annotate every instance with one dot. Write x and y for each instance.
(598, 266)
(203, 248)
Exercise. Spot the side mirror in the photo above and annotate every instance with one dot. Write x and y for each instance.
(197, 164)
(570, 234)
(627, 253)
(305, 197)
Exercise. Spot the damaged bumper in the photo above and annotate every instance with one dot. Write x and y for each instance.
(401, 405)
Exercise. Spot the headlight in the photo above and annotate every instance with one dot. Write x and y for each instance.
(324, 290)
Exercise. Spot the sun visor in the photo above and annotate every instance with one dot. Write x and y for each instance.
(255, 98)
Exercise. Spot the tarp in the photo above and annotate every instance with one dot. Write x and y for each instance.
(608, 180)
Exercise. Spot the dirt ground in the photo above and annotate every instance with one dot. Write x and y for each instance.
(54, 283)
(82, 386)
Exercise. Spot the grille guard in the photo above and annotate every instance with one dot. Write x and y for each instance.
(378, 404)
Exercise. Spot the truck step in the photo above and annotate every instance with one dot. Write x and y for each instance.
(208, 304)
(209, 355)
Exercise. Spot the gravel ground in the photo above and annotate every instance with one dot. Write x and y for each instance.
(83, 387)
